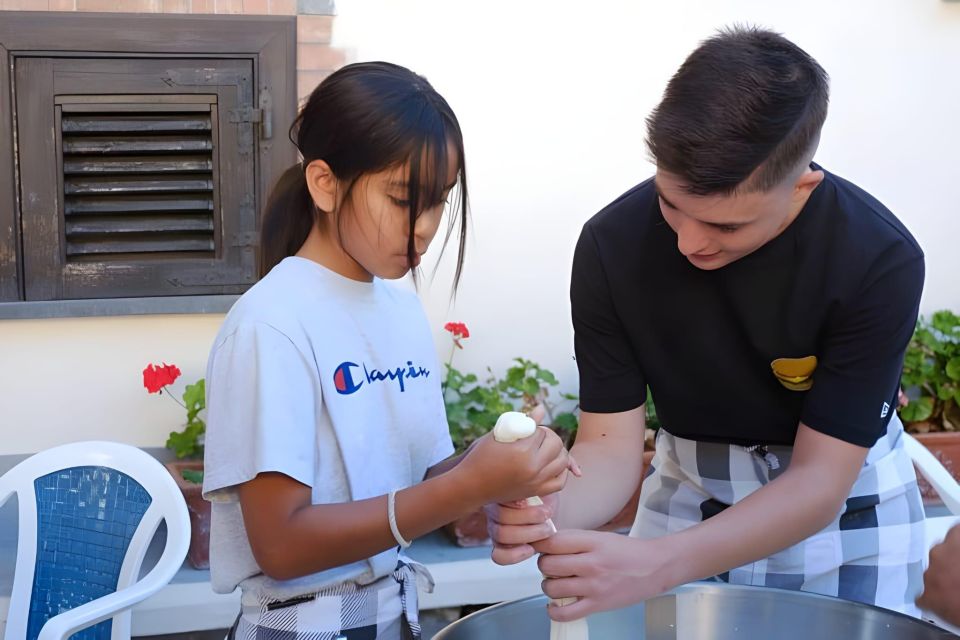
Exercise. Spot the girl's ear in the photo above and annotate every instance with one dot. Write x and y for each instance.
(322, 184)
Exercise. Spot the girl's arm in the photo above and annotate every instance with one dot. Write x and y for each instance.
(446, 465)
(609, 571)
(290, 537)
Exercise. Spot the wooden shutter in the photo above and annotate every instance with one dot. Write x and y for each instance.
(139, 176)
(9, 220)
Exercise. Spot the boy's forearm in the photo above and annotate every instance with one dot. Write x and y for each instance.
(610, 477)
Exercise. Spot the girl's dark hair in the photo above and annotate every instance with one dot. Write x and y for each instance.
(361, 119)
(745, 98)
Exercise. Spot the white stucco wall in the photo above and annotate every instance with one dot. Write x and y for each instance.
(552, 97)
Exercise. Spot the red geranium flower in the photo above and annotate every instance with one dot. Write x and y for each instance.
(458, 329)
(156, 377)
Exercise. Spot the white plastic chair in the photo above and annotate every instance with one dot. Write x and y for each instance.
(949, 491)
(935, 473)
(87, 513)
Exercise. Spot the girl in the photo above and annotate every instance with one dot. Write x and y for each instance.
(326, 424)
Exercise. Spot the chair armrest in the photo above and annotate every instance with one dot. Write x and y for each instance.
(935, 473)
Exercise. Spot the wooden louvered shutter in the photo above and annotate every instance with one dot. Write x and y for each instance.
(138, 180)
(152, 168)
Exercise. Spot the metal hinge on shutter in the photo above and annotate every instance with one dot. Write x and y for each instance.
(248, 116)
(262, 115)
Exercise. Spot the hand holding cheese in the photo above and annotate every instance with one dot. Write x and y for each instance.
(510, 427)
(515, 461)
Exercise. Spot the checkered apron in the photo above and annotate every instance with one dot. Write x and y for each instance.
(873, 552)
(383, 610)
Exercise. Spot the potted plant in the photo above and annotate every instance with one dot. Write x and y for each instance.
(930, 403)
(473, 406)
(187, 446)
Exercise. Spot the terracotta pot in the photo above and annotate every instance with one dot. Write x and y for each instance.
(471, 530)
(945, 446)
(198, 554)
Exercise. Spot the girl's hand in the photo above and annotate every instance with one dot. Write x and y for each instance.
(602, 570)
(505, 472)
(514, 526)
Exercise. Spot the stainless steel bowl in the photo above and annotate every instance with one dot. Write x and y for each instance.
(707, 611)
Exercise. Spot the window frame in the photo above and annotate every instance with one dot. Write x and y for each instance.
(269, 41)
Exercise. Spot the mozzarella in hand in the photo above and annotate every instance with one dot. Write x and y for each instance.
(512, 426)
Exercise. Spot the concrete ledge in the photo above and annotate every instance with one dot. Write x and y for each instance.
(116, 307)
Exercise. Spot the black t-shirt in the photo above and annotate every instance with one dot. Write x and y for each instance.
(841, 283)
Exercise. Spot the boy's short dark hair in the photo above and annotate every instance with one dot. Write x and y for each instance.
(747, 98)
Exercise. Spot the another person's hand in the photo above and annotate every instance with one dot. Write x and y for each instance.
(602, 570)
(514, 526)
(941, 581)
(902, 399)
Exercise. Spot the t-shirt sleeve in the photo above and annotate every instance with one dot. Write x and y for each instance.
(610, 377)
(857, 377)
(262, 402)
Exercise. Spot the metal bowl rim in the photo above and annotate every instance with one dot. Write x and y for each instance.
(709, 586)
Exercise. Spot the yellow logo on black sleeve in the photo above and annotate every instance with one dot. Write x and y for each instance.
(795, 374)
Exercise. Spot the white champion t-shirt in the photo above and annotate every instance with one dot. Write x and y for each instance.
(330, 381)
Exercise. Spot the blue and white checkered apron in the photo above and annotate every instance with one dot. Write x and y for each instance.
(873, 551)
(386, 609)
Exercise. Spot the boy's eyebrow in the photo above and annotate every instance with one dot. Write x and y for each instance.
(737, 223)
(663, 197)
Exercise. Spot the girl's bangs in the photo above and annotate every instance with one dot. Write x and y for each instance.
(429, 163)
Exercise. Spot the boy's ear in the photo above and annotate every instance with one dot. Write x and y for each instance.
(322, 184)
(806, 183)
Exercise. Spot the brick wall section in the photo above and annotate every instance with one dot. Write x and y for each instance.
(316, 59)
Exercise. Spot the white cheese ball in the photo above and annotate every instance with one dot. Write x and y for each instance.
(512, 426)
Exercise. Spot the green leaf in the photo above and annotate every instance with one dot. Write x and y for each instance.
(531, 386)
(194, 397)
(946, 391)
(515, 376)
(185, 443)
(953, 368)
(569, 396)
(917, 410)
(456, 414)
(192, 475)
(945, 322)
(547, 377)
(566, 421)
